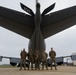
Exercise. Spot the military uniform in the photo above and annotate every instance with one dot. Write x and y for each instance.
(52, 55)
(44, 60)
(37, 60)
(31, 58)
(23, 55)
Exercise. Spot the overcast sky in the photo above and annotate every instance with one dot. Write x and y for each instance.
(64, 43)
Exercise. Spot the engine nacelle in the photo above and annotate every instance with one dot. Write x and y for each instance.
(13, 64)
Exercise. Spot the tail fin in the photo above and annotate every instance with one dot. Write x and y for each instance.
(48, 9)
(28, 10)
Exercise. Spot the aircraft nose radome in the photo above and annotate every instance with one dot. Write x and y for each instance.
(38, 5)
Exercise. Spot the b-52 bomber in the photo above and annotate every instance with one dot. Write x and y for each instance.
(37, 26)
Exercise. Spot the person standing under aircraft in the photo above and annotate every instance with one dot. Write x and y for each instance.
(44, 60)
(30, 58)
(37, 60)
(52, 55)
(23, 55)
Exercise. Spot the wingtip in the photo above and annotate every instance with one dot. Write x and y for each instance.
(48, 9)
(54, 4)
(20, 3)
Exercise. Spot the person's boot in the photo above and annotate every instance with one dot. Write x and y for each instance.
(42, 68)
(20, 69)
(28, 68)
(31, 68)
(46, 68)
(38, 68)
(24, 68)
(35, 68)
(51, 68)
(55, 68)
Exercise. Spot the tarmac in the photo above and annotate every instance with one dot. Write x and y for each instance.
(61, 70)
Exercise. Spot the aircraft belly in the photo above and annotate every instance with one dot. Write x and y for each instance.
(37, 41)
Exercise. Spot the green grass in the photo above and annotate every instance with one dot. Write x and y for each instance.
(7, 66)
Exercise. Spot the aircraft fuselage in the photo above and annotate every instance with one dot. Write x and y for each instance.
(37, 40)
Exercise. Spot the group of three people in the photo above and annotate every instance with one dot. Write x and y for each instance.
(37, 57)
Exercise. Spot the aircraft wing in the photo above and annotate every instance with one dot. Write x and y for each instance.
(16, 21)
(58, 21)
(13, 60)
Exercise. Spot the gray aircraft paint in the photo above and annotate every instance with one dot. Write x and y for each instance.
(37, 40)
(24, 25)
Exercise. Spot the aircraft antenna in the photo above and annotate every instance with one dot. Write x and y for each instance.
(36, 1)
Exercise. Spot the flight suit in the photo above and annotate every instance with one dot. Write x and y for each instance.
(52, 55)
(44, 60)
(30, 58)
(37, 60)
(23, 55)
